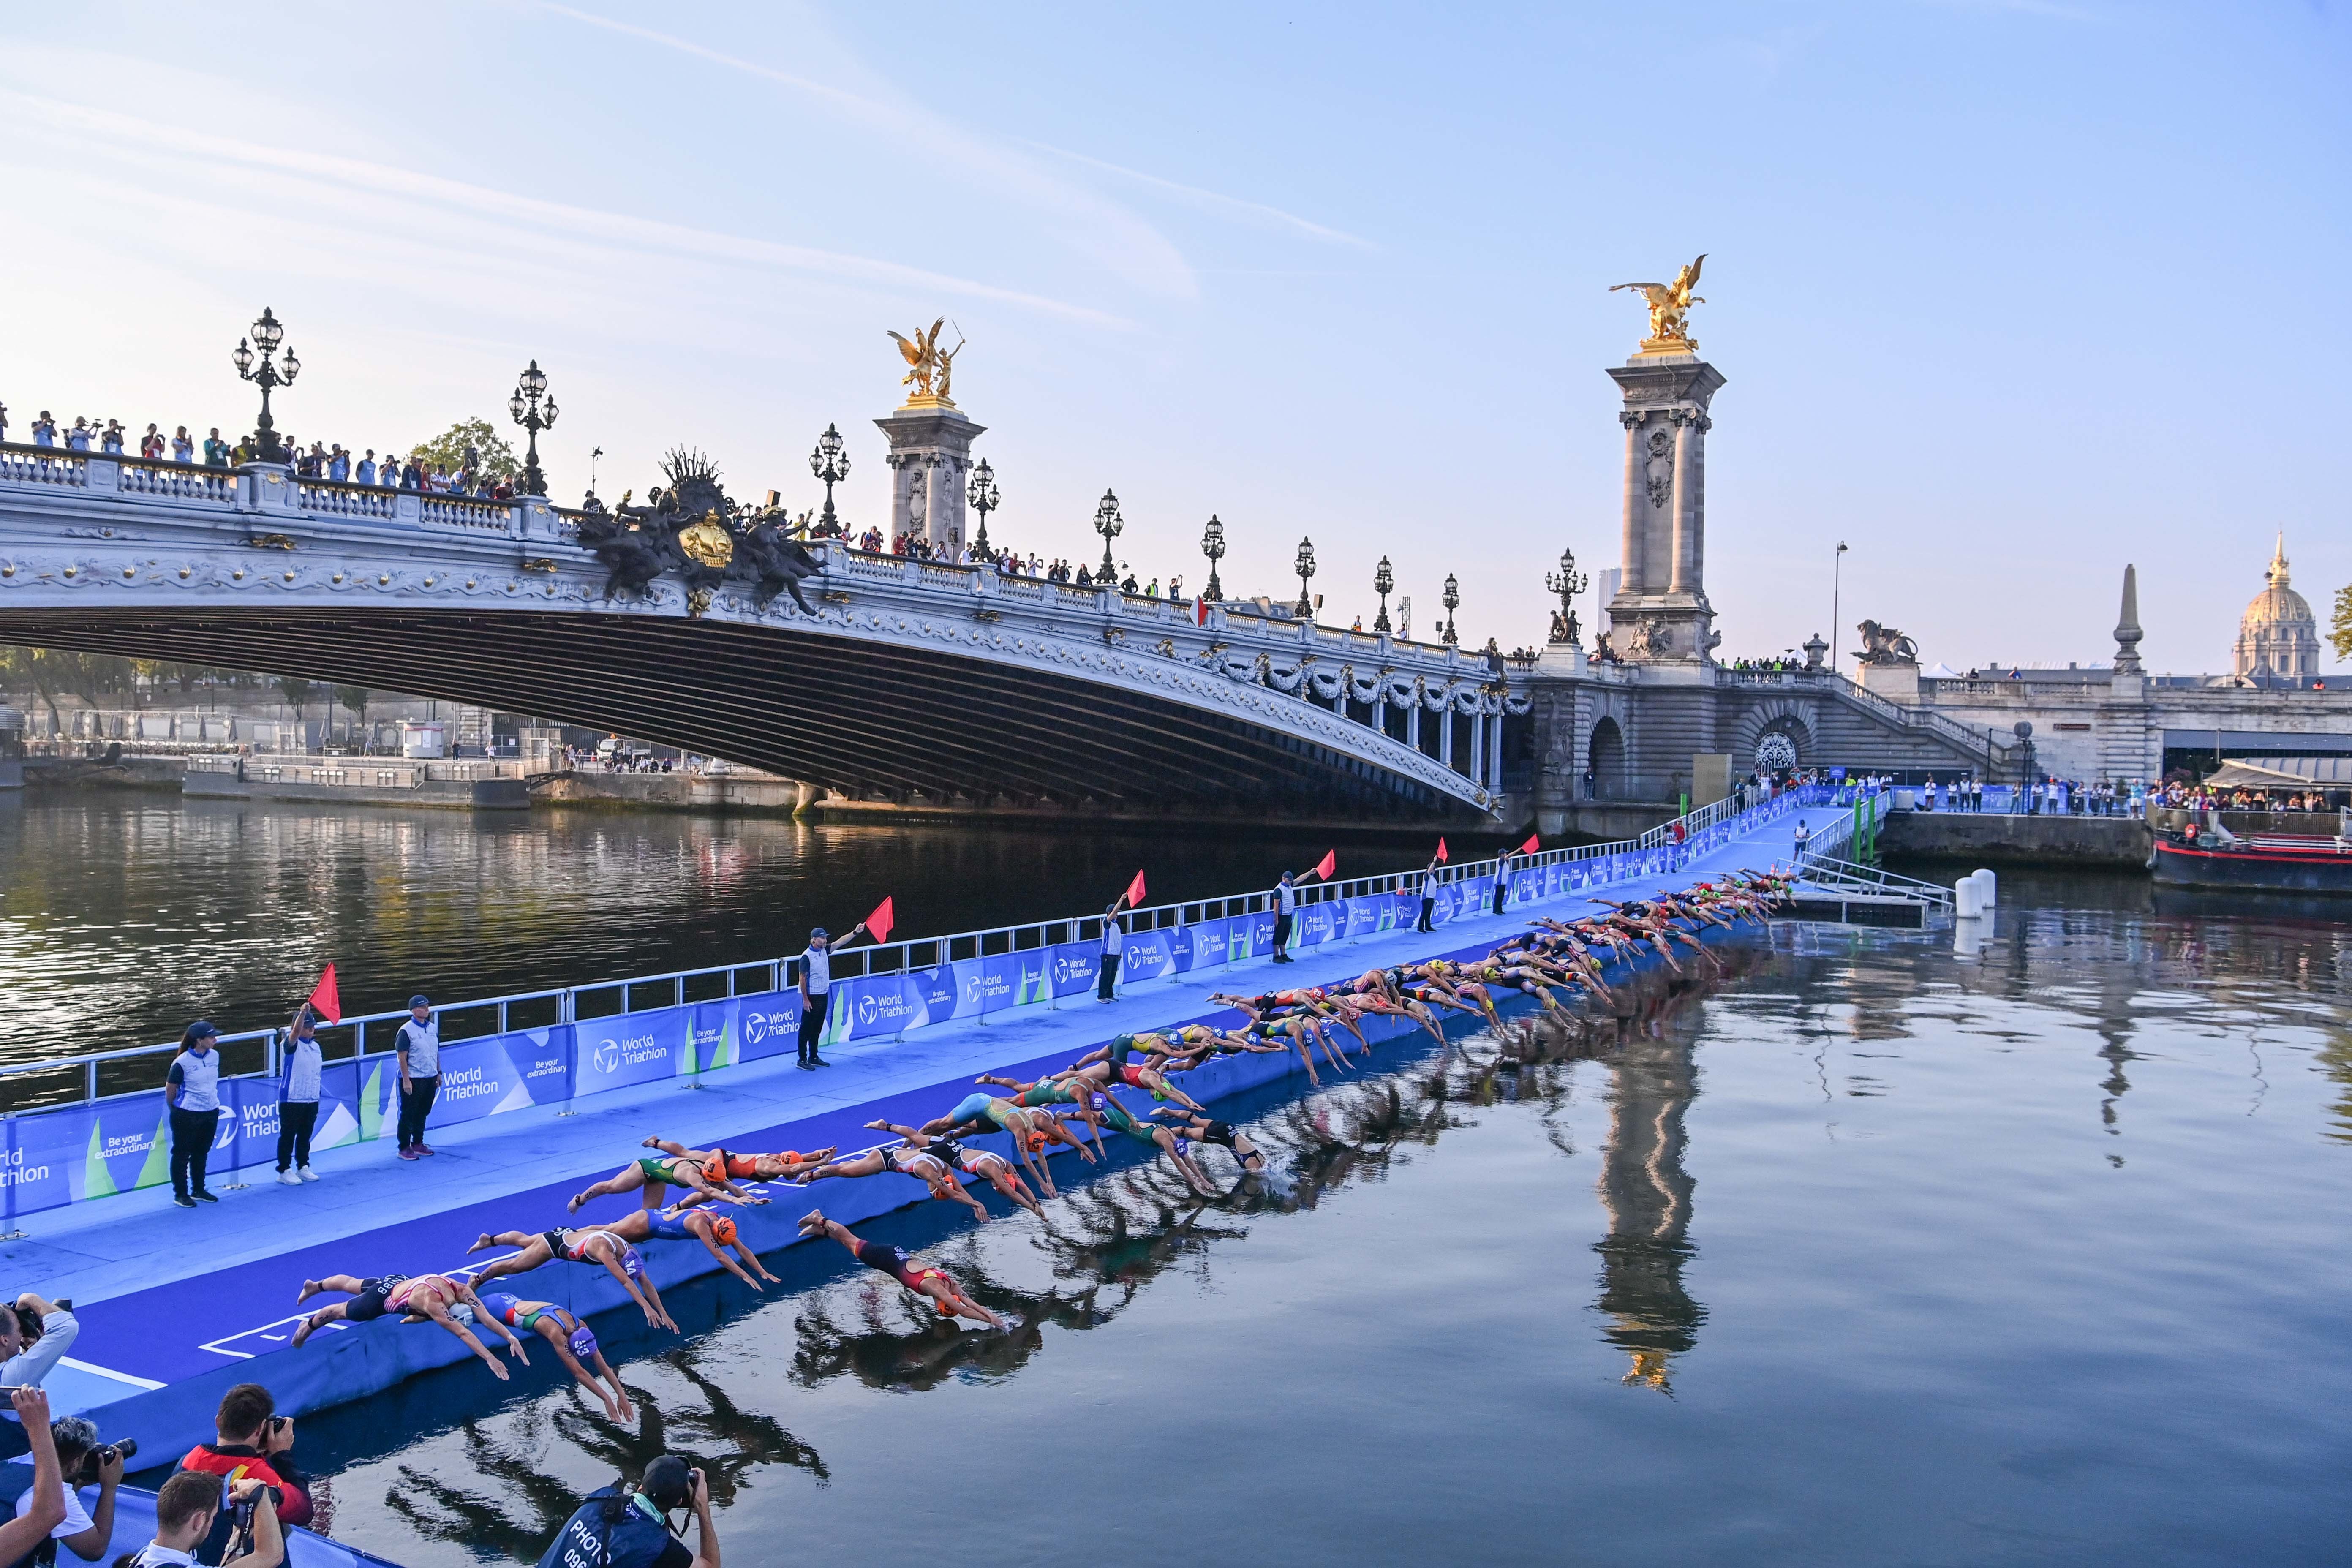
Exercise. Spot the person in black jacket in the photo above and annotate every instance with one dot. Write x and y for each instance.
(620, 1526)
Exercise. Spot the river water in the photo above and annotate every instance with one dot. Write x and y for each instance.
(1864, 1250)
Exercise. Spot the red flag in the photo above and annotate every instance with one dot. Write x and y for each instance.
(1441, 851)
(1199, 612)
(1533, 844)
(878, 923)
(324, 1002)
(1325, 866)
(1134, 894)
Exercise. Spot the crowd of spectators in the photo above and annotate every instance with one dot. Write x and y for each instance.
(333, 463)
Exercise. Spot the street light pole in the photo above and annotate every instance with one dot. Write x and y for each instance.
(1568, 582)
(1212, 545)
(1837, 583)
(267, 335)
(533, 408)
(830, 464)
(1305, 566)
(1383, 581)
(1110, 525)
(982, 494)
(1452, 599)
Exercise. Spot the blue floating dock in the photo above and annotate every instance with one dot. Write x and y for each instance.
(178, 1305)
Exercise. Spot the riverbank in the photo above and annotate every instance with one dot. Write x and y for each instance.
(1993, 839)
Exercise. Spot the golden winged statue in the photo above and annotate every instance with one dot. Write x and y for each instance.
(1669, 306)
(929, 368)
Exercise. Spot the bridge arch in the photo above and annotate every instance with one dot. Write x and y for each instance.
(1790, 723)
(1607, 754)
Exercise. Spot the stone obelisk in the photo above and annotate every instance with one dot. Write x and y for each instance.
(931, 451)
(1661, 615)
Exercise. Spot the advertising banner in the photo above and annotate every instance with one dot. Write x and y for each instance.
(989, 984)
(627, 1049)
(871, 1006)
(1316, 923)
(51, 1155)
(747, 1029)
(1034, 977)
(1150, 955)
(517, 1070)
(1073, 966)
(1249, 936)
(1374, 912)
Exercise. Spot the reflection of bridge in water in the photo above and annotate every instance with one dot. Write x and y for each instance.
(902, 679)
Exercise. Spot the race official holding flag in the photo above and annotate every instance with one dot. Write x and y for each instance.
(1428, 889)
(1286, 902)
(816, 977)
(1114, 938)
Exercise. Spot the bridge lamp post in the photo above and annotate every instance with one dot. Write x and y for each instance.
(1212, 545)
(830, 464)
(1837, 582)
(1383, 581)
(1110, 525)
(1305, 566)
(1568, 582)
(982, 494)
(1451, 599)
(534, 409)
(258, 369)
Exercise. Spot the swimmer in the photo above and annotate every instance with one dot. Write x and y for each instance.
(1114, 1063)
(985, 1163)
(655, 1175)
(933, 1284)
(976, 1113)
(574, 1342)
(735, 1167)
(598, 1247)
(715, 1232)
(1204, 1130)
(1047, 1091)
(908, 1159)
(1115, 1116)
(428, 1298)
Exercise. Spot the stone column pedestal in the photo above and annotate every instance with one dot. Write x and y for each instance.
(931, 457)
(1660, 614)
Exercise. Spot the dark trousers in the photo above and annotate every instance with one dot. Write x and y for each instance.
(415, 1105)
(1501, 887)
(296, 1119)
(813, 1012)
(1104, 986)
(1282, 936)
(192, 1146)
(1428, 908)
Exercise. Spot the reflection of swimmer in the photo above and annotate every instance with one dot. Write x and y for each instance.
(595, 1247)
(426, 1298)
(653, 1174)
(933, 1284)
(908, 1159)
(575, 1343)
(715, 1231)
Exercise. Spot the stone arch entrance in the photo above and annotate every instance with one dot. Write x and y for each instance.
(1607, 753)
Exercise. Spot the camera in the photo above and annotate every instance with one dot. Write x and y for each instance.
(124, 1449)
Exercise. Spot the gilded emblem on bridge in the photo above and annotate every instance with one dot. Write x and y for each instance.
(1670, 306)
(707, 541)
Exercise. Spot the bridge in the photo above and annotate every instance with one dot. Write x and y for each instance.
(880, 678)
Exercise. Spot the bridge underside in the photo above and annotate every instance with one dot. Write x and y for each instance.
(872, 720)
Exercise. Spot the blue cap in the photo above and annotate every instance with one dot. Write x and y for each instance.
(817, 934)
(420, 1000)
(200, 1030)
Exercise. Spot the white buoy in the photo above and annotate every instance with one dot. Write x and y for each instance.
(1968, 898)
(1984, 879)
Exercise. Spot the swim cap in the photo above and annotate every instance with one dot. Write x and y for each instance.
(722, 1231)
(583, 1340)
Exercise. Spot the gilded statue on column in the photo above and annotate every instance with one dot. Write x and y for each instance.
(930, 367)
(1670, 305)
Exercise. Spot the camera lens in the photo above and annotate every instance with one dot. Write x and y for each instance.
(128, 1448)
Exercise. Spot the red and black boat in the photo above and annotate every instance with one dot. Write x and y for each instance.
(2203, 854)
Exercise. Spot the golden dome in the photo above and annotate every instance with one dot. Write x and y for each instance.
(2278, 635)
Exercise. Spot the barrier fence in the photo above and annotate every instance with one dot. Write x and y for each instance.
(597, 1037)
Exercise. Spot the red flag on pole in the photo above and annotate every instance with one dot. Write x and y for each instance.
(1533, 844)
(1134, 894)
(324, 1002)
(878, 923)
(1441, 851)
(1199, 612)
(1325, 866)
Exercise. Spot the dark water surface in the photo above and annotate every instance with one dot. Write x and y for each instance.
(1864, 1253)
(123, 916)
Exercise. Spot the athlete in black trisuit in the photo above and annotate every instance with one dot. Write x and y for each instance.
(1190, 1128)
(933, 1284)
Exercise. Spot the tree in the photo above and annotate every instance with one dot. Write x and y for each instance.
(2339, 632)
(446, 451)
(297, 693)
(354, 698)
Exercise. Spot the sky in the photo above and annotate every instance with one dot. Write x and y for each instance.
(2005, 294)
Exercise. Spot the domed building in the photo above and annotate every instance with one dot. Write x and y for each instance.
(2278, 636)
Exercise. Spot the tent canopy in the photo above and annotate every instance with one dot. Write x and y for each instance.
(1940, 671)
(2283, 773)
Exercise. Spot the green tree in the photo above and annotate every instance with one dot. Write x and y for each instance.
(446, 451)
(2339, 632)
(354, 698)
(297, 693)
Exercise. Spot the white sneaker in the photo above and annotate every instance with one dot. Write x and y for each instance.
(289, 1179)
(309, 1174)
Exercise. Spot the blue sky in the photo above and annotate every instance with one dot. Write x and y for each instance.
(2006, 294)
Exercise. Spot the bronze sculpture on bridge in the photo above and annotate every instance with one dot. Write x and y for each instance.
(693, 530)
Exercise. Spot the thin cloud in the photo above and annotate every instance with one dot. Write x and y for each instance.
(1214, 201)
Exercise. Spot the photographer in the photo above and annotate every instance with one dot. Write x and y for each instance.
(186, 1510)
(30, 1530)
(34, 1335)
(620, 1526)
(252, 1441)
(81, 1462)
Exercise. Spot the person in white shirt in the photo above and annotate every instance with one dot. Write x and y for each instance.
(183, 1517)
(419, 1049)
(23, 1535)
(817, 991)
(86, 1534)
(33, 1338)
(298, 1097)
(1114, 947)
(192, 1084)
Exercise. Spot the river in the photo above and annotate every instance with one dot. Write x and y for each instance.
(1864, 1250)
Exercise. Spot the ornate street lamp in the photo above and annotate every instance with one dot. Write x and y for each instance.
(267, 335)
(981, 493)
(830, 464)
(1568, 582)
(534, 409)
(1451, 599)
(1383, 580)
(1110, 525)
(1212, 545)
(1305, 566)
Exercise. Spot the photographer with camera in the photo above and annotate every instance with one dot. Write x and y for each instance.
(34, 1336)
(80, 1463)
(187, 1510)
(253, 1442)
(29, 1531)
(624, 1526)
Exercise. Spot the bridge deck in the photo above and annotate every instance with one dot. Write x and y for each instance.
(177, 1305)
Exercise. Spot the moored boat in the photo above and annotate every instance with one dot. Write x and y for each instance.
(2202, 854)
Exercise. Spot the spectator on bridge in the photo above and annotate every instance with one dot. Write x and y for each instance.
(191, 1086)
(339, 464)
(419, 1044)
(215, 450)
(77, 438)
(412, 477)
(44, 429)
(110, 438)
(151, 444)
(364, 472)
(243, 452)
(184, 449)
